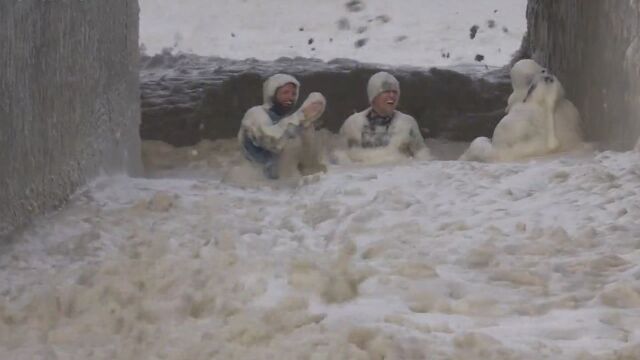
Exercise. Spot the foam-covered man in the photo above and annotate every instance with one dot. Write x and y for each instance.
(381, 132)
(277, 137)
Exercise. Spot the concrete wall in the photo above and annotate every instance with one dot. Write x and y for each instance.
(69, 100)
(593, 46)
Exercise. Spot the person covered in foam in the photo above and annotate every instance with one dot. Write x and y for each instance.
(381, 133)
(522, 74)
(539, 120)
(278, 138)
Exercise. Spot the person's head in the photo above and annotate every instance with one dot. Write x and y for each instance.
(523, 72)
(281, 90)
(384, 93)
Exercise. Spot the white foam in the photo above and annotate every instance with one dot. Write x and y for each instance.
(439, 258)
(409, 32)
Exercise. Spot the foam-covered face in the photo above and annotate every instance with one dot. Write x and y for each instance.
(385, 103)
(545, 89)
(524, 72)
(286, 96)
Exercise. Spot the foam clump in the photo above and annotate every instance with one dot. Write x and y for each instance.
(336, 281)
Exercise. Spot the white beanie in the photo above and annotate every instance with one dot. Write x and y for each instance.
(381, 82)
(273, 83)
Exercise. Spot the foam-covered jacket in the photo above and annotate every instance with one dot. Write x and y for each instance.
(261, 128)
(401, 133)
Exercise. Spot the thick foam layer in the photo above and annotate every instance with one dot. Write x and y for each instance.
(223, 158)
(429, 259)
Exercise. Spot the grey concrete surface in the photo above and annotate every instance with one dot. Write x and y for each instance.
(594, 49)
(69, 100)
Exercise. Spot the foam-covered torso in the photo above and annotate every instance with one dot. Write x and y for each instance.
(374, 138)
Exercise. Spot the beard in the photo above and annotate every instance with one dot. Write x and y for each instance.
(281, 109)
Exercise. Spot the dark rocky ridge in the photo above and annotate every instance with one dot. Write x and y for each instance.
(186, 98)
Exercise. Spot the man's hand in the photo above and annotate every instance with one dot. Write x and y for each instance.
(312, 108)
(312, 111)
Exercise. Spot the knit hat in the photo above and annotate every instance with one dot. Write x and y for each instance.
(381, 82)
